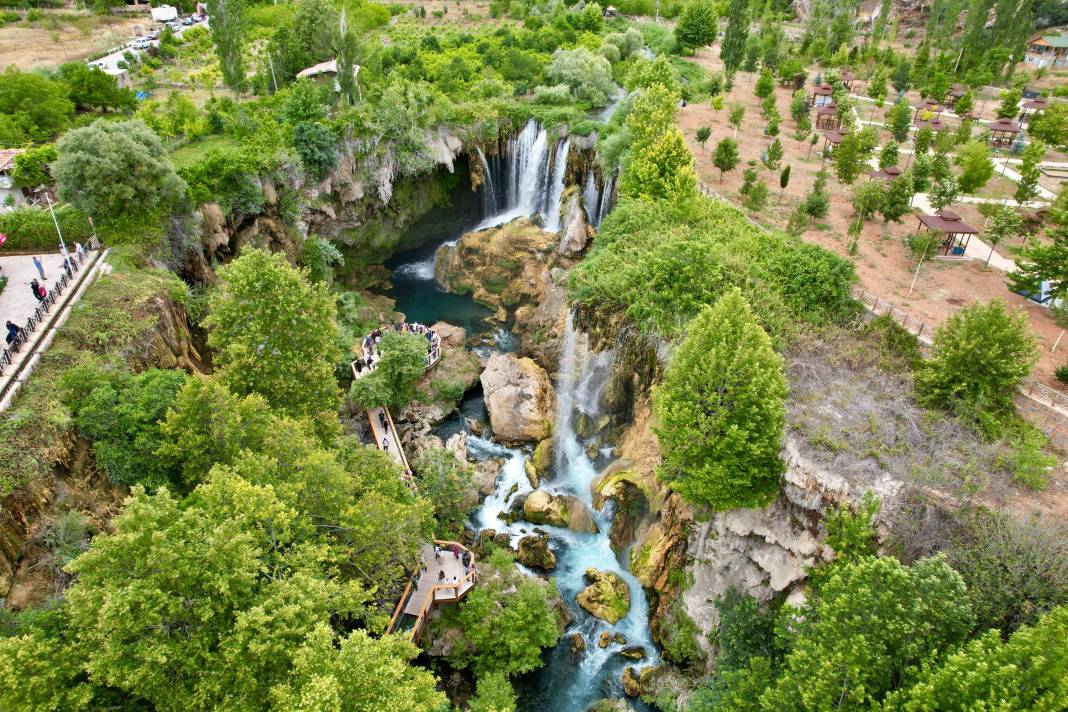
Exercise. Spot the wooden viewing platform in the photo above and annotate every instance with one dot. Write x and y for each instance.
(442, 580)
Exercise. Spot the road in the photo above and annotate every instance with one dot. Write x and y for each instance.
(110, 63)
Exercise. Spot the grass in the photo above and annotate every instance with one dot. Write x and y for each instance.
(192, 152)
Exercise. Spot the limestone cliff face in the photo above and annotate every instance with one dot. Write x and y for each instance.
(764, 552)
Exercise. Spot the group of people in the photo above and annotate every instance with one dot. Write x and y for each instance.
(372, 355)
(463, 555)
(38, 288)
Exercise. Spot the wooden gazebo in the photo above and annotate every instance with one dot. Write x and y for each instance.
(929, 106)
(848, 79)
(832, 139)
(888, 173)
(955, 233)
(1003, 132)
(820, 95)
(827, 118)
(955, 93)
(1032, 108)
(935, 124)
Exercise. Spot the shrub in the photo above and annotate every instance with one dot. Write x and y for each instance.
(978, 358)
(588, 75)
(1061, 374)
(400, 365)
(315, 146)
(817, 283)
(557, 95)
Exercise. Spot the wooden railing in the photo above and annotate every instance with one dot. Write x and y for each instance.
(455, 587)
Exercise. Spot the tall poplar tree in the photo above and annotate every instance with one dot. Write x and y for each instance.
(228, 33)
(734, 37)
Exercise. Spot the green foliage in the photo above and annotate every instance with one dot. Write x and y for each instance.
(448, 483)
(867, 198)
(110, 169)
(588, 75)
(318, 255)
(1010, 103)
(732, 50)
(504, 622)
(696, 26)
(274, 333)
(678, 636)
(816, 283)
(315, 146)
(1027, 672)
(896, 201)
(228, 28)
(888, 156)
(33, 229)
(32, 108)
(227, 176)
(944, 193)
(1027, 186)
(1016, 569)
(756, 197)
(1051, 126)
(493, 693)
(662, 170)
(122, 417)
(978, 358)
(746, 631)
(32, 167)
(775, 154)
(726, 156)
(848, 159)
(976, 168)
(765, 85)
(400, 364)
(852, 534)
(644, 73)
(899, 120)
(92, 88)
(720, 410)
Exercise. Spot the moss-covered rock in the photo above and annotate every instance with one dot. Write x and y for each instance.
(535, 553)
(606, 595)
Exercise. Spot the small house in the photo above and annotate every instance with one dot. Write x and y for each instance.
(1047, 51)
(1003, 132)
(954, 233)
(327, 70)
(955, 93)
(831, 139)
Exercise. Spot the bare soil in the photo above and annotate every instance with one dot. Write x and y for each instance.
(884, 262)
(66, 38)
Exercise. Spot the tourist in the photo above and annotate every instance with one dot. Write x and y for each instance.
(79, 251)
(13, 331)
(37, 289)
(385, 444)
(40, 267)
(441, 576)
(382, 418)
(437, 552)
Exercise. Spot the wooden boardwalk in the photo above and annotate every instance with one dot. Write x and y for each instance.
(443, 579)
(384, 432)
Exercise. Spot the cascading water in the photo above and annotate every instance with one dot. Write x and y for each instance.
(565, 684)
(591, 198)
(556, 187)
(605, 202)
(489, 191)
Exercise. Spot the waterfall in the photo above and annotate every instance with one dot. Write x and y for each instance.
(551, 214)
(591, 198)
(489, 191)
(605, 203)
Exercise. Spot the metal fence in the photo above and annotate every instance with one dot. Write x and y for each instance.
(40, 314)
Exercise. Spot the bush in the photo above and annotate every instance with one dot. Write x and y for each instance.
(315, 146)
(557, 95)
(392, 383)
(1061, 374)
(817, 283)
(978, 358)
(588, 75)
(33, 229)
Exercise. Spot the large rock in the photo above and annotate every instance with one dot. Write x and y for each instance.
(519, 398)
(534, 552)
(606, 596)
(486, 473)
(575, 234)
(542, 507)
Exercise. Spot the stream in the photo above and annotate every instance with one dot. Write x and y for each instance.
(522, 181)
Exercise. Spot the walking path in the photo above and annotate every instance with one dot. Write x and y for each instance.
(39, 320)
(385, 434)
(976, 248)
(443, 578)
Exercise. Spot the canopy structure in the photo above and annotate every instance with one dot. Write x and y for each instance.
(820, 95)
(935, 124)
(888, 173)
(827, 118)
(1003, 131)
(324, 68)
(955, 233)
(1033, 107)
(928, 105)
(848, 79)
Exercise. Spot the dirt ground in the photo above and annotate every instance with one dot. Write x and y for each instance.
(883, 261)
(478, 13)
(47, 43)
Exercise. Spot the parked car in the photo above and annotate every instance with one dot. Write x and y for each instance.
(153, 35)
(141, 43)
(188, 21)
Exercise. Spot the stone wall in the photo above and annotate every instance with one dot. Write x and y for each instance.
(1051, 420)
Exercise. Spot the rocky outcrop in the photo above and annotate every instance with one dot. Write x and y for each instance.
(575, 233)
(606, 595)
(542, 507)
(519, 398)
(501, 267)
(441, 387)
(578, 643)
(170, 343)
(765, 552)
(608, 637)
(535, 553)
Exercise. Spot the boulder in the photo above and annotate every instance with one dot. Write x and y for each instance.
(606, 595)
(486, 473)
(452, 336)
(542, 507)
(578, 643)
(633, 652)
(502, 540)
(534, 552)
(542, 459)
(575, 234)
(457, 445)
(532, 473)
(519, 398)
(608, 637)
(632, 684)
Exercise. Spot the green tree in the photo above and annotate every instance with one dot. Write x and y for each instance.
(274, 333)
(965, 103)
(121, 418)
(449, 484)
(696, 26)
(702, 135)
(588, 75)
(1010, 103)
(315, 146)
(92, 88)
(720, 410)
(877, 85)
(867, 199)
(208, 425)
(978, 358)
(784, 180)
(110, 169)
(798, 105)
(726, 156)
(944, 193)
(923, 140)
(817, 202)
(1027, 672)
(662, 170)
(493, 693)
(33, 166)
(847, 159)
(899, 120)
(976, 168)
(647, 72)
(865, 627)
(400, 364)
(732, 50)
(32, 107)
(888, 156)
(318, 255)
(775, 154)
(735, 114)
(756, 197)
(228, 33)
(1005, 223)
(897, 201)
(1027, 186)
(901, 76)
(1051, 126)
(765, 85)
